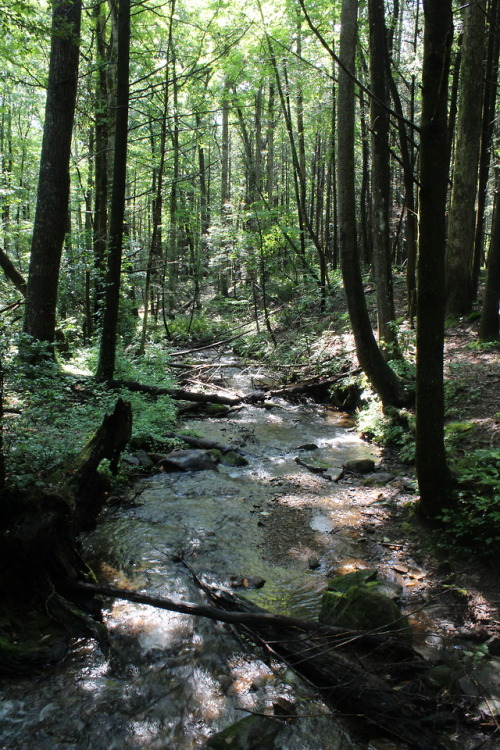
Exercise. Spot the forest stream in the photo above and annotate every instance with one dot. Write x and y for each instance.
(171, 680)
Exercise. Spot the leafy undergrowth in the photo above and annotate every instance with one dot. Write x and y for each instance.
(52, 409)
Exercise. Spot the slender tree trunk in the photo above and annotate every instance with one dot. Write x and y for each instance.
(53, 184)
(488, 117)
(225, 196)
(380, 375)
(107, 353)
(2, 458)
(432, 470)
(154, 256)
(270, 147)
(101, 161)
(460, 248)
(489, 325)
(381, 178)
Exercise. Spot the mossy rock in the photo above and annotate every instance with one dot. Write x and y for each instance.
(250, 733)
(362, 609)
(215, 410)
(356, 578)
(216, 454)
(352, 601)
(231, 458)
(24, 658)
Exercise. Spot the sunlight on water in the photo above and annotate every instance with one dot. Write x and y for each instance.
(171, 681)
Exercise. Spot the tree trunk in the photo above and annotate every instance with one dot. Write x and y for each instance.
(381, 179)
(460, 249)
(2, 458)
(488, 119)
(489, 325)
(53, 184)
(101, 165)
(107, 353)
(432, 470)
(382, 378)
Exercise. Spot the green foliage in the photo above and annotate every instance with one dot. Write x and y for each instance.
(393, 426)
(59, 409)
(472, 523)
(455, 432)
(199, 329)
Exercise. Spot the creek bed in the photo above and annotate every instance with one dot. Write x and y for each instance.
(170, 680)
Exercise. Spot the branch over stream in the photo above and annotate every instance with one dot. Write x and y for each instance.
(314, 652)
(309, 386)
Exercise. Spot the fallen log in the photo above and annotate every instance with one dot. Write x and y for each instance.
(87, 486)
(311, 384)
(40, 553)
(346, 684)
(180, 394)
(246, 616)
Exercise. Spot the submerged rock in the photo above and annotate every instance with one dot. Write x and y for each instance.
(247, 582)
(250, 733)
(188, 460)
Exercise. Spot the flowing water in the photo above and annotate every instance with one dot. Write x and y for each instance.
(170, 680)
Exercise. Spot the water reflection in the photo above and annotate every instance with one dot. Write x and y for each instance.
(171, 681)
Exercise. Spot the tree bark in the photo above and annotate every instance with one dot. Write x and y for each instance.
(51, 216)
(107, 352)
(489, 325)
(460, 248)
(381, 377)
(488, 120)
(381, 179)
(101, 161)
(432, 470)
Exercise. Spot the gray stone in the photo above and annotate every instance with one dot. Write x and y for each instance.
(360, 465)
(188, 460)
(334, 473)
(312, 464)
(382, 477)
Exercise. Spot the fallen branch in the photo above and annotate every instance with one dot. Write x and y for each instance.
(215, 345)
(314, 652)
(244, 613)
(346, 684)
(311, 384)
(180, 394)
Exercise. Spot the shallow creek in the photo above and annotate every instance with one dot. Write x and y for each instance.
(170, 680)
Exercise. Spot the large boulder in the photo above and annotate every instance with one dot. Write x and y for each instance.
(188, 460)
(352, 601)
